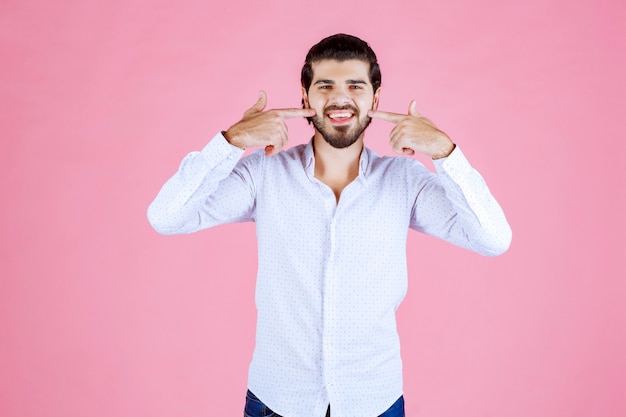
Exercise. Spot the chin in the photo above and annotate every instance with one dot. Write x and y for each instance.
(341, 137)
(338, 138)
(341, 143)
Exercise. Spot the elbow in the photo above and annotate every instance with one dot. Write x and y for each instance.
(499, 242)
(158, 221)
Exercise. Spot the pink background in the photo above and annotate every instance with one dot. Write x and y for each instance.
(99, 101)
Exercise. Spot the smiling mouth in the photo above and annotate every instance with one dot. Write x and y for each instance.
(340, 116)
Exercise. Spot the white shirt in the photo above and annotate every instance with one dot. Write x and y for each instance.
(330, 275)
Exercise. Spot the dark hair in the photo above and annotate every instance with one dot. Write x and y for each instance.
(340, 47)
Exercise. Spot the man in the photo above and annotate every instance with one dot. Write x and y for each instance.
(332, 220)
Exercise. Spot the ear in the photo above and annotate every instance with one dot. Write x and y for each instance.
(376, 98)
(305, 99)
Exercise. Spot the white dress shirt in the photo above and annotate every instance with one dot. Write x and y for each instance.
(330, 275)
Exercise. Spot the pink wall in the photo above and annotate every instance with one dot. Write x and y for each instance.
(99, 100)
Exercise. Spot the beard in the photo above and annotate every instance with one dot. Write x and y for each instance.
(340, 136)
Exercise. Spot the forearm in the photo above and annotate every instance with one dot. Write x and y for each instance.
(484, 224)
(457, 206)
(177, 205)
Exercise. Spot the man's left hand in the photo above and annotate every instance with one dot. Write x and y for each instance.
(415, 133)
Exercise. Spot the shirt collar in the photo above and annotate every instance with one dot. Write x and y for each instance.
(309, 161)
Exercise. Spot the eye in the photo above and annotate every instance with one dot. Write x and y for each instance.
(325, 87)
(356, 87)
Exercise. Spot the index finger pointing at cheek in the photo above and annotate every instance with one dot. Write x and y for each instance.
(384, 115)
(293, 113)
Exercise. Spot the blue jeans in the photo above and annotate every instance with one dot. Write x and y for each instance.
(256, 408)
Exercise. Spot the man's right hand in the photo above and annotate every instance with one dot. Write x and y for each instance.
(263, 128)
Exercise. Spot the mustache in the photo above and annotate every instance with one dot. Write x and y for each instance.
(345, 107)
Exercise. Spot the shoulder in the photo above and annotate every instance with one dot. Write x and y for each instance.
(288, 159)
(395, 165)
(294, 153)
(293, 156)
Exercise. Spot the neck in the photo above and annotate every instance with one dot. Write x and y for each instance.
(336, 167)
(334, 162)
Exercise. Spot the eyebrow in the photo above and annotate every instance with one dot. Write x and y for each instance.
(333, 82)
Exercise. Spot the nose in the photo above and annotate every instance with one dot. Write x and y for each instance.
(339, 97)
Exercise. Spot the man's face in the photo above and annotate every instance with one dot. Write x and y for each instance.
(341, 93)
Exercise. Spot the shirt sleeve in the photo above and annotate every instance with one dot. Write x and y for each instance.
(211, 187)
(457, 206)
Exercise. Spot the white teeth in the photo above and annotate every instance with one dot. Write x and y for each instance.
(339, 115)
